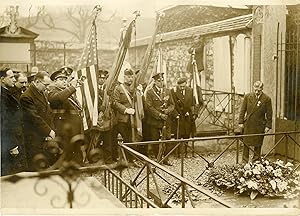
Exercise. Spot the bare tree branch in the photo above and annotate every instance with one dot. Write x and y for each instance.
(32, 22)
(110, 18)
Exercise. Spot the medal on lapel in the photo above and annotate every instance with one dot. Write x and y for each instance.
(258, 103)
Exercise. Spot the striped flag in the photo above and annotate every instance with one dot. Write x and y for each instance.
(88, 67)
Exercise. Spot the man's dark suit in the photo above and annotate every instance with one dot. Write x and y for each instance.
(66, 118)
(186, 110)
(256, 115)
(157, 103)
(37, 121)
(11, 133)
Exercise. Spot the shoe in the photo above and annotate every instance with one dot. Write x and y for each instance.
(166, 162)
(134, 163)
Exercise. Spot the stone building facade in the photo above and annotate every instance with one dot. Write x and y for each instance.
(175, 47)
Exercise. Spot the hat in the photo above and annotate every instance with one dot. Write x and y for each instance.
(128, 71)
(103, 73)
(57, 74)
(3, 71)
(158, 76)
(258, 84)
(181, 80)
(34, 71)
(67, 70)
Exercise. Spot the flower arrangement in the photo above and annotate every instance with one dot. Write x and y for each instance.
(271, 179)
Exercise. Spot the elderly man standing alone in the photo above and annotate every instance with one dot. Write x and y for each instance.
(255, 118)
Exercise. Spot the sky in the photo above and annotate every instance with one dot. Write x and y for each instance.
(125, 8)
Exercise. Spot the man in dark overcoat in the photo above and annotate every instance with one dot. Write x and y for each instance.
(13, 155)
(255, 118)
(105, 129)
(37, 116)
(66, 111)
(123, 105)
(159, 105)
(186, 110)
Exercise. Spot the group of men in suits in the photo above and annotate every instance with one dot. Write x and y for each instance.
(47, 109)
(34, 116)
(163, 108)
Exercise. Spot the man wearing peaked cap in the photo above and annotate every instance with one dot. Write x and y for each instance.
(66, 110)
(67, 70)
(102, 73)
(57, 74)
(160, 104)
(158, 76)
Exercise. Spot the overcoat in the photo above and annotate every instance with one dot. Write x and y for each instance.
(157, 103)
(37, 120)
(66, 111)
(11, 134)
(121, 102)
(184, 109)
(256, 115)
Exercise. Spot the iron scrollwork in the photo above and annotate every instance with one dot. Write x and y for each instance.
(69, 171)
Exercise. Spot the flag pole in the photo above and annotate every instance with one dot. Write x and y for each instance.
(132, 119)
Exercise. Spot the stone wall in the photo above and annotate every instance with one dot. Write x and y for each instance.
(271, 17)
(175, 53)
(50, 56)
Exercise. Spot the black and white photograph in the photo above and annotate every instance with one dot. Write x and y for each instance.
(139, 107)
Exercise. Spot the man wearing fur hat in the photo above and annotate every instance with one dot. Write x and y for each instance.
(255, 118)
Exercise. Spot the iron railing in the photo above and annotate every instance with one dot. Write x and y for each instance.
(157, 171)
(218, 112)
(285, 138)
(126, 193)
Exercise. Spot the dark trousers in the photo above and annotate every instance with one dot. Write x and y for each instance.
(110, 146)
(154, 135)
(125, 130)
(257, 153)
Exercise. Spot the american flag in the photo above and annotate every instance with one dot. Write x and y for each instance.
(88, 67)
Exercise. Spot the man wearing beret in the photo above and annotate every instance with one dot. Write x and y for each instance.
(159, 104)
(185, 109)
(255, 118)
(66, 113)
(37, 116)
(12, 142)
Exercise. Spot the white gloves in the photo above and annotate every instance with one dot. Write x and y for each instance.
(129, 111)
(14, 152)
(52, 134)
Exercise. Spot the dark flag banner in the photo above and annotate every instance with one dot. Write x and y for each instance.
(87, 69)
(116, 68)
(143, 76)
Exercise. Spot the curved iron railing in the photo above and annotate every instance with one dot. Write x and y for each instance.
(182, 182)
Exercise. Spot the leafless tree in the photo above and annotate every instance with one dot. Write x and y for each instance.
(80, 19)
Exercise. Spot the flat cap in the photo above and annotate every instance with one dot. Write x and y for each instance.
(181, 80)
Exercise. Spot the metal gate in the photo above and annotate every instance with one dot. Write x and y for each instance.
(288, 84)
